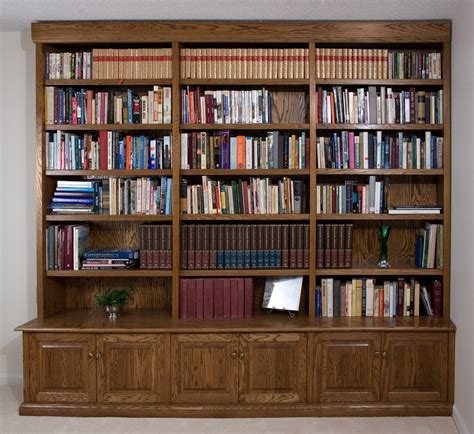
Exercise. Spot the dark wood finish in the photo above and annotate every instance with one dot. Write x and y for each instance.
(107, 218)
(110, 82)
(250, 127)
(415, 367)
(263, 217)
(346, 367)
(131, 272)
(374, 271)
(363, 82)
(249, 272)
(385, 172)
(110, 127)
(247, 172)
(273, 368)
(62, 367)
(244, 82)
(381, 217)
(204, 368)
(388, 127)
(158, 172)
(132, 368)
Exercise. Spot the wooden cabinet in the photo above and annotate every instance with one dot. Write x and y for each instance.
(62, 367)
(273, 367)
(346, 367)
(415, 367)
(132, 368)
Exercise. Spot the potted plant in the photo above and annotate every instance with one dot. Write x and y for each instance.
(113, 300)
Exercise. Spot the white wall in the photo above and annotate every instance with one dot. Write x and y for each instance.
(17, 190)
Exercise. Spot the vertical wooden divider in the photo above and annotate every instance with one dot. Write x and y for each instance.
(176, 167)
(446, 61)
(312, 179)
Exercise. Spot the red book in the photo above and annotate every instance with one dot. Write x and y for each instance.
(234, 298)
(199, 298)
(218, 298)
(226, 298)
(192, 296)
(103, 152)
(208, 298)
(183, 298)
(437, 296)
(248, 297)
(240, 297)
(68, 260)
(89, 98)
(400, 295)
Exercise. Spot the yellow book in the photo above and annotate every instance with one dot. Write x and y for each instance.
(359, 297)
(318, 63)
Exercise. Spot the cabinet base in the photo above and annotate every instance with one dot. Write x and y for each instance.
(220, 411)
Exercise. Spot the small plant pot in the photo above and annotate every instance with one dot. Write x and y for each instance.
(113, 312)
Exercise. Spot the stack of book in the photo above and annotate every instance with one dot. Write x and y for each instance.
(156, 247)
(244, 246)
(362, 106)
(253, 63)
(201, 106)
(366, 150)
(364, 297)
(68, 66)
(65, 245)
(216, 298)
(218, 150)
(107, 150)
(74, 197)
(239, 196)
(86, 107)
(429, 246)
(334, 245)
(109, 259)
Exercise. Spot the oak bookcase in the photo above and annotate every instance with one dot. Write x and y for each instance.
(151, 363)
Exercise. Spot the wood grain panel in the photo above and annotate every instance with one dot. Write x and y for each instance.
(290, 106)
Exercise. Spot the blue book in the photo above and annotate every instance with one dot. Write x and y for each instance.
(168, 196)
(319, 311)
(419, 251)
(130, 106)
(72, 200)
(77, 189)
(233, 153)
(121, 154)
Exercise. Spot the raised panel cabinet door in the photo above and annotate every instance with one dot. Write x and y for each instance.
(62, 367)
(204, 368)
(345, 367)
(273, 367)
(132, 367)
(415, 367)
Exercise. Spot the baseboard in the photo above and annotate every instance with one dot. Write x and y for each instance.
(10, 379)
(459, 421)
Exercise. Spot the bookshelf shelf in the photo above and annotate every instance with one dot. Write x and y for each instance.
(384, 172)
(374, 271)
(244, 82)
(128, 173)
(245, 172)
(110, 127)
(246, 272)
(243, 127)
(110, 273)
(379, 217)
(386, 127)
(111, 82)
(241, 217)
(107, 218)
(363, 82)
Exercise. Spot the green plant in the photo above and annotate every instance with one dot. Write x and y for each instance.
(113, 297)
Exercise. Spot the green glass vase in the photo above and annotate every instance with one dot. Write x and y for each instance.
(384, 233)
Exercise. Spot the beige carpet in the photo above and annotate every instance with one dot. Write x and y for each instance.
(10, 422)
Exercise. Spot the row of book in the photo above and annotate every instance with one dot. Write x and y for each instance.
(240, 196)
(109, 259)
(68, 66)
(352, 197)
(70, 106)
(360, 106)
(429, 246)
(205, 106)
(366, 150)
(377, 64)
(216, 298)
(334, 245)
(64, 246)
(219, 150)
(364, 297)
(107, 150)
(114, 196)
(131, 63)
(244, 246)
(243, 63)
(156, 246)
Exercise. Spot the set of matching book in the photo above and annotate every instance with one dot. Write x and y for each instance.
(107, 150)
(363, 297)
(156, 246)
(429, 246)
(334, 245)
(377, 63)
(70, 106)
(385, 106)
(216, 298)
(241, 196)
(244, 246)
(206, 106)
(366, 150)
(352, 197)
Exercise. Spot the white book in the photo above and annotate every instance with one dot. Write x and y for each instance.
(248, 152)
(369, 298)
(167, 105)
(184, 151)
(329, 295)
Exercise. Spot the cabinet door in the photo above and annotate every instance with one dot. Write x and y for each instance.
(132, 368)
(273, 367)
(204, 368)
(346, 367)
(415, 366)
(62, 367)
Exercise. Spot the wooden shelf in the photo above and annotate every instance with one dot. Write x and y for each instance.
(245, 81)
(236, 217)
(132, 272)
(366, 82)
(111, 82)
(384, 172)
(374, 271)
(390, 127)
(244, 172)
(107, 218)
(244, 127)
(246, 272)
(109, 127)
(379, 217)
(112, 172)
